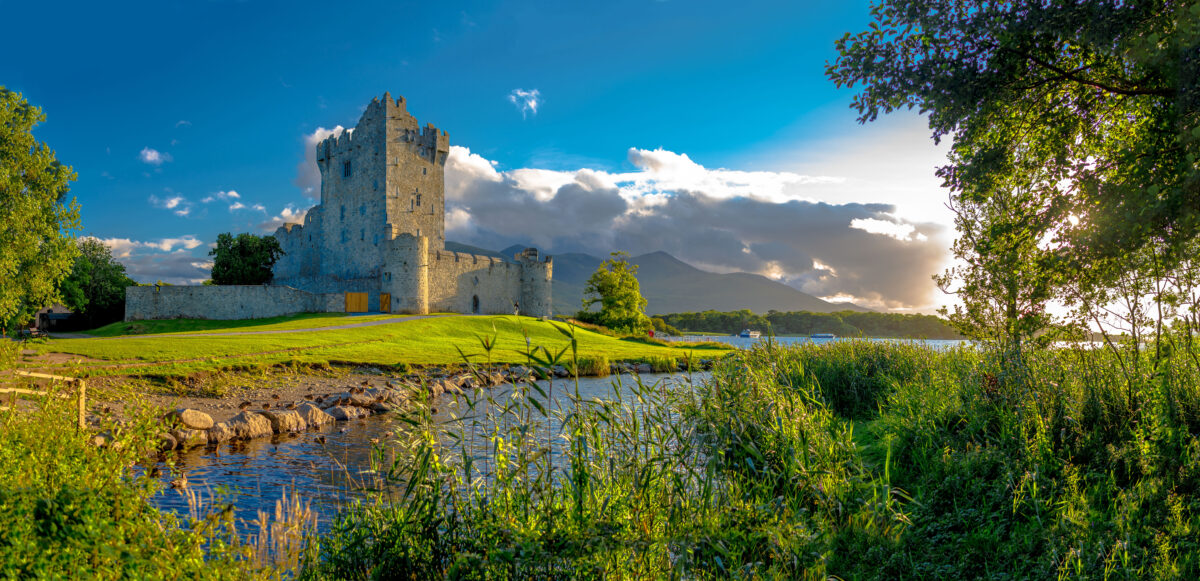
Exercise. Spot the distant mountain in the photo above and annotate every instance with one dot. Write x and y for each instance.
(673, 286)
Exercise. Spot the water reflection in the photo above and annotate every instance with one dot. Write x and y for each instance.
(332, 467)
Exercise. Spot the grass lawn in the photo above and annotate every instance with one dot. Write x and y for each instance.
(432, 341)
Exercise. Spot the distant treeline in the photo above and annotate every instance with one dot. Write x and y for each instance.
(842, 323)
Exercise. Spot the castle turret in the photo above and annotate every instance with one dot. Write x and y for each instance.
(406, 274)
(535, 283)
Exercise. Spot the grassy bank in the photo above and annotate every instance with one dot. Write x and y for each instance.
(72, 510)
(430, 341)
(859, 460)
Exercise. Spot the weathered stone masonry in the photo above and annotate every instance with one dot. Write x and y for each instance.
(380, 228)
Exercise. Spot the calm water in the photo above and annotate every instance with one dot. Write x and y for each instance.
(746, 342)
(332, 473)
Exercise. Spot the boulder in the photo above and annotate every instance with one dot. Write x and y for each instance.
(166, 442)
(380, 408)
(495, 378)
(285, 421)
(343, 413)
(191, 419)
(644, 368)
(186, 438)
(313, 416)
(102, 440)
(518, 372)
(560, 371)
(221, 433)
(247, 425)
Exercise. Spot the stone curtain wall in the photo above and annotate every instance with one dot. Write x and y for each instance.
(225, 302)
(455, 278)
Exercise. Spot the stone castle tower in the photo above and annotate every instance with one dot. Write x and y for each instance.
(380, 228)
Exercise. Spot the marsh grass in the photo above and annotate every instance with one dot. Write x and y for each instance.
(857, 460)
(70, 508)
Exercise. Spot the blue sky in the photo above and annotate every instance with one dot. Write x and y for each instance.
(718, 109)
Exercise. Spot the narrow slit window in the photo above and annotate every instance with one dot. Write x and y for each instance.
(346, 169)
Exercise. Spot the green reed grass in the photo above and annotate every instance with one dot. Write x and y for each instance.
(852, 460)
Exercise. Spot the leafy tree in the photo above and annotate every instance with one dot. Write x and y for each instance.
(1095, 103)
(246, 259)
(1076, 137)
(37, 219)
(95, 288)
(614, 286)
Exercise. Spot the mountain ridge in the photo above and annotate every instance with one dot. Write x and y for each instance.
(671, 285)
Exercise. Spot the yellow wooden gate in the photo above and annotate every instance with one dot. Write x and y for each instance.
(385, 302)
(356, 302)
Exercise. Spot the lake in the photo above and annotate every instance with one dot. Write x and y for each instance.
(331, 467)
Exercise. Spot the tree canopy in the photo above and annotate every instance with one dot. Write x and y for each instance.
(37, 218)
(245, 259)
(614, 286)
(95, 288)
(1093, 106)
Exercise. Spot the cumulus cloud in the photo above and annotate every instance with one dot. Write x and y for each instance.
(224, 196)
(153, 156)
(719, 219)
(308, 175)
(527, 102)
(167, 259)
(289, 215)
(178, 204)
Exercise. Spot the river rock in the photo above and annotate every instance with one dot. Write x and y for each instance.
(191, 419)
(343, 413)
(560, 371)
(495, 378)
(186, 438)
(285, 421)
(247, 425)
(221, 433)
(166, 442)
(102, 440)
(518, 372)
(313, 416)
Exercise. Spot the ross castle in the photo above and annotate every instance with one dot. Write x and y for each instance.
(375, 242)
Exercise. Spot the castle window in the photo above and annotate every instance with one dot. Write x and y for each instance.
(412, 205)
(362, 235)
(387, 276)
(376, 186)
(346, 169)
(418, 199)
(423, 171)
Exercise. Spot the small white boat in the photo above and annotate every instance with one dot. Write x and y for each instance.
(748, 334)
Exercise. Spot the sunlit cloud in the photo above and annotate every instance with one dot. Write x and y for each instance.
(153, 156)
(527, 102)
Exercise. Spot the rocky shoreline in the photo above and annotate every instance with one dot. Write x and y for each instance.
(196, 422)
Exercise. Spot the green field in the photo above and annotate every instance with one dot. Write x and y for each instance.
(168, 326)
(430, 341)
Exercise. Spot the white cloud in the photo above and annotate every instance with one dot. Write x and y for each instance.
(897, 230)
(178, 204)
(224, 196)
(236, 206)
(289, 215)
(763, 222)
(308, 175)
(167, 259)
(153, 156)
(527, 102)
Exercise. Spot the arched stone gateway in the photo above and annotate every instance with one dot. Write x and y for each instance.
(475, 304)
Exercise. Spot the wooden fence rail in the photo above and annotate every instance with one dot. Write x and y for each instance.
(78, 384)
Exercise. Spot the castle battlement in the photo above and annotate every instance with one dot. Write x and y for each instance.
(381, 223)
